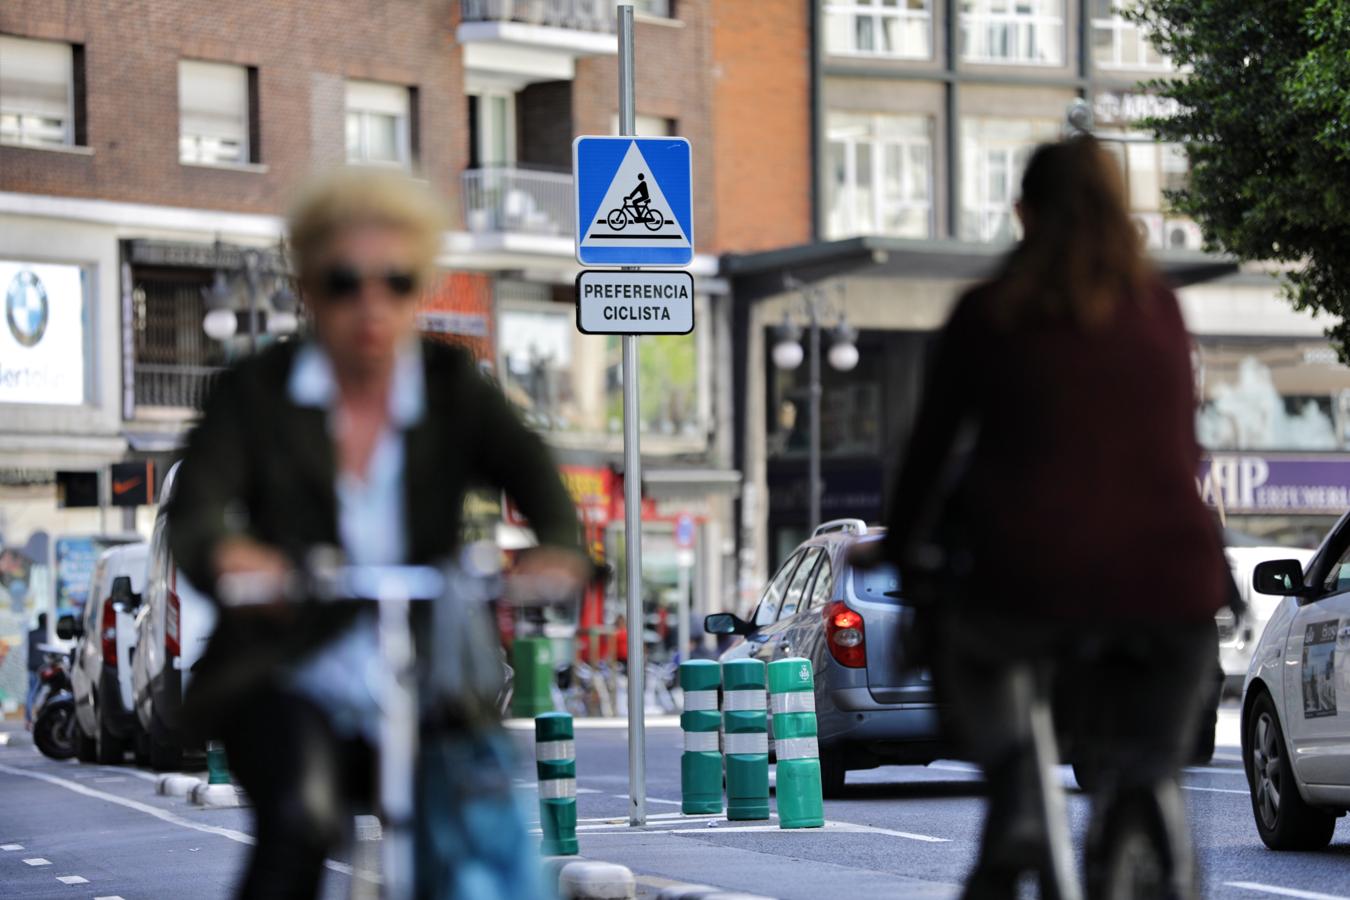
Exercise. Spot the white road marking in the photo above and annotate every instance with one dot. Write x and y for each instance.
(1214, 770)
(37, 861)
(162, 814)
(1282, 891)
(107, 779)
(114, 897)
(11, 847)
(1209, 790)
(711, 828)
(137, 773)
(72, 879)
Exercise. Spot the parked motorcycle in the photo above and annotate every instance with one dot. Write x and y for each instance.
(54, 707)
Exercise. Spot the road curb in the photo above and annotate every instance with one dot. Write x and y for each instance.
(587, 880)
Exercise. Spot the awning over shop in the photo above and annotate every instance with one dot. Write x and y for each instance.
(758, 275)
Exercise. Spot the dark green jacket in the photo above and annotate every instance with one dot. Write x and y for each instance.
(260, 465)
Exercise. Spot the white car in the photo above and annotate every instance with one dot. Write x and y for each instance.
(1295, 723)
(173, 625)
(105, 719)
(1238, 638)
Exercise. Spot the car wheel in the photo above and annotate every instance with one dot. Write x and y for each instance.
(54, 732)
(832, 772)
(142, 747)
(165, 756)
(86, 749)
(109, 746)
(1204, 741)
(1087, 774)
(1283, 819)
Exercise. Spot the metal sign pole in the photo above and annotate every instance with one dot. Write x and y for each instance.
(632, 488)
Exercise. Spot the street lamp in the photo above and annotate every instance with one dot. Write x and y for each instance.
(788, 354)
(222, 314)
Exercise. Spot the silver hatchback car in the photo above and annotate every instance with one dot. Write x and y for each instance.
(871, 708)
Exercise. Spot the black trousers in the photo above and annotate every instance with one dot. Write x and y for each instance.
(305, 782)
(1132, 694)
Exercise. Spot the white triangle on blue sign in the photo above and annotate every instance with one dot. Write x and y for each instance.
(624, 222)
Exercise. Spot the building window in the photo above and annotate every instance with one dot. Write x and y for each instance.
(881, 175)
(1271, 394)
(379, 124)
(1118, 43)
(899, 29)
(492, 117)
(1029, 32)
(994, 154)
(37, 93)
(213, 113)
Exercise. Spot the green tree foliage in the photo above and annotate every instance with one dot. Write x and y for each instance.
(1265, 117)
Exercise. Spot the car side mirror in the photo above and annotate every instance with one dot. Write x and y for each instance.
(67, 629)
(726, 623)
(121, 590)
(1280, 577)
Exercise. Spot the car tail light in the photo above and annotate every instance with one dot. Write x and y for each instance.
(172, 615)
(844, 635)
(109, 633)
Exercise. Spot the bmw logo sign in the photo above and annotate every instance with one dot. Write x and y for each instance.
(26, 308)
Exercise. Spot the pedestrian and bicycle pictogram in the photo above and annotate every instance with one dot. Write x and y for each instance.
(634, 205)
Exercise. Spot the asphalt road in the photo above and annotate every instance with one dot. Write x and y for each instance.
(82, 831)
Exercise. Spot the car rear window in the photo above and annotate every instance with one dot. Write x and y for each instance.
(881, 583)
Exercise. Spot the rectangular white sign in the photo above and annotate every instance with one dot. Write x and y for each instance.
(42, 351)
(646, 302)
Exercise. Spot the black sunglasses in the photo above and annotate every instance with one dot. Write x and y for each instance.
(343, 283)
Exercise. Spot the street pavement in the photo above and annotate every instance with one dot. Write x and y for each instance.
(902, 832)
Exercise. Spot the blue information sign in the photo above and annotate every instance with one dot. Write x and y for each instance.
(634, 201)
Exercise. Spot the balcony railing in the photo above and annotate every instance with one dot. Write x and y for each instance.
(173, 386)
(581, 15)
(518, 200)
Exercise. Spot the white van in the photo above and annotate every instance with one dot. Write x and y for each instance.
(100, 678)
(173, 624)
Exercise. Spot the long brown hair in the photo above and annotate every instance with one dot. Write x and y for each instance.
(1082, 253)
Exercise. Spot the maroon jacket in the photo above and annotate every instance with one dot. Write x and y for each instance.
(1081, 482)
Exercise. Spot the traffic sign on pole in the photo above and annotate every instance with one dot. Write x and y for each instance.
(644, 302)
(634, 201)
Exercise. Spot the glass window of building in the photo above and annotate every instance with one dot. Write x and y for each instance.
(36, 92)
(213, 113)
(646, 126)
(493, 121)
(994, 152)
(898, 29)
(378, 124)
(570, 384)
(851, 416)
(881, 175)
(1118, 43)
(1271, 394)
(1151, 170)
(1023, 32)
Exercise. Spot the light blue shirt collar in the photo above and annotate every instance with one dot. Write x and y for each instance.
(312, 383)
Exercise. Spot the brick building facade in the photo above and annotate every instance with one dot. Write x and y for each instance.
(147, 148)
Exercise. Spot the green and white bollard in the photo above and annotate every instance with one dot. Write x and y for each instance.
(217, 770)
(745, 721)
(555, 760)
(792, 697)
(701, 764)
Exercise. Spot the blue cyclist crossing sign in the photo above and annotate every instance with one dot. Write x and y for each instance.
(634, 201)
